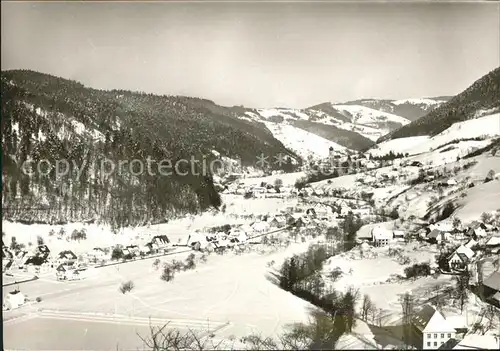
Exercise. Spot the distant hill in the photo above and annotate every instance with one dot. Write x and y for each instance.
(312, 131)
(51, 118)
(480, 99)
(410, 109)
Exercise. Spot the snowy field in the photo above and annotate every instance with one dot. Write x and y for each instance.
(369, 271)
(177, 230)
(223, 290)
(481, 198)
(487, 127)
(302, 142)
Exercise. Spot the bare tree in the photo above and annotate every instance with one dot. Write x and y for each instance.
(462, 288)
(486, 320)
(438, 298)
(366, 307)
(407, 305)
(162, 338)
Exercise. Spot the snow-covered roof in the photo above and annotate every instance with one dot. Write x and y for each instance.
(494, 241)
(478, 342)
(434, 233)
(428, 319)
(399, 233)
(493, 281)
(260, 226)
(471, 243)
(466, 251)
(380, 233)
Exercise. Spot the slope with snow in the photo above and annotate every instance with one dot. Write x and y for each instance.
(368, 116)
(366, 122)
(305, 144)
(484, 127)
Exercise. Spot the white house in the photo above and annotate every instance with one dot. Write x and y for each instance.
(433, 327)
(398, 234)
(160, 242)
(344, 211)
(278, 222)
(493, 242)
(260, 227)
(471, 243)
(14, 299)
(461, 257)
(362, 212)
(66, 256)
(438, 235)
(97, 254)
(323, 211)
(381, 236)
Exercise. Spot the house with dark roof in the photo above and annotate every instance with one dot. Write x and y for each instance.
(43, 249)
(66, 256)
(476, 230)
(134, 250)
(160, 242)
(461, 258)
(39, 258)
(438, 235)
(278, 221)
(432, 328)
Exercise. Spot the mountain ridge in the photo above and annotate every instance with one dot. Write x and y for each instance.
(480, 98)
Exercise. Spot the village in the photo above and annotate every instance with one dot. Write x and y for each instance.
(405, 249)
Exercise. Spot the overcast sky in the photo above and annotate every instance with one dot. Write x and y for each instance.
(257, 54)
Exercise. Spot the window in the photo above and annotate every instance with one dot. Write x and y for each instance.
(429, 335)
(442, 336)
(429, 344)
(435, 336)
(449, 335)
(435, 343)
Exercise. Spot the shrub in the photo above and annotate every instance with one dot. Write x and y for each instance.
(156, 264)
(418, 270)
(38, 299)
(39, 240)
(62, 232)
(52, 232)
(190, 264)
(14, 245)
(116, 254)
(335, 274)
(278, 183)
(177, 265)
(126, 287)
(486, 217)
(168, 273)
(300, 183)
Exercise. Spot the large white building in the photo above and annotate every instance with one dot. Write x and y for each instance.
(435, 330)
(381, 236)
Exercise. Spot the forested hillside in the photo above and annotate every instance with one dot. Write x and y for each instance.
(50, 118)
(347, 138)
(479, 99)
